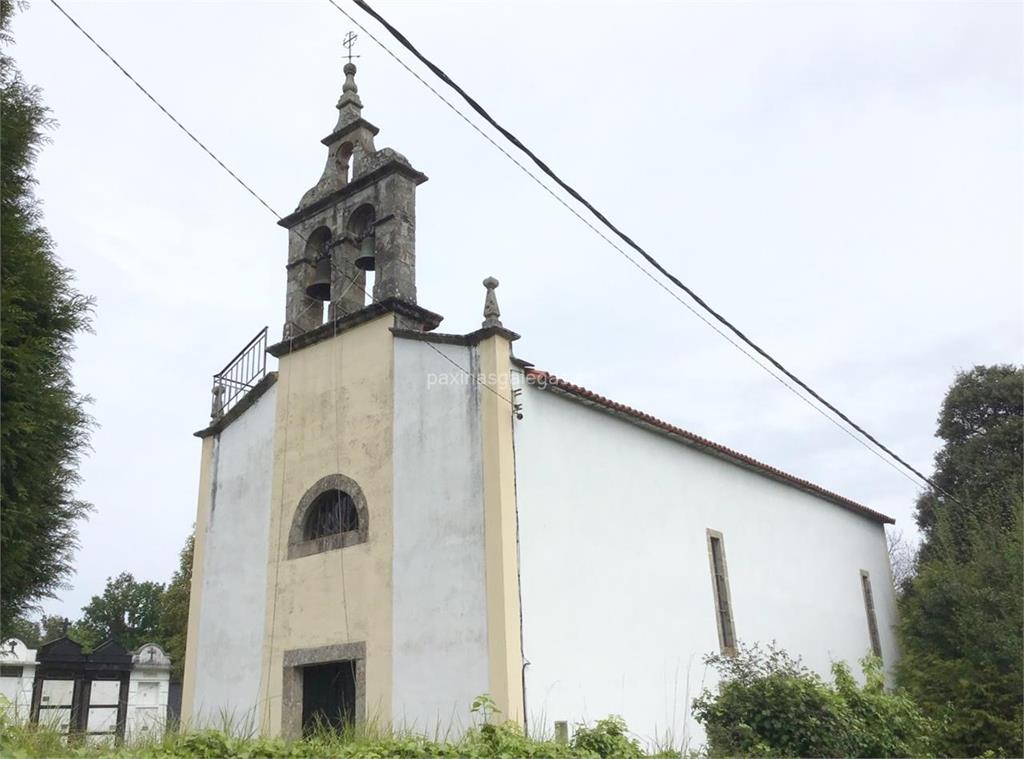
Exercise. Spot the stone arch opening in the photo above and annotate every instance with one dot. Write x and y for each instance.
(344, 161)
(324, 521)
(318, 274)
(360, 229)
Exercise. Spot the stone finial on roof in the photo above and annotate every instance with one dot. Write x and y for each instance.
(492, 314)
(216, 412)
(349, 87)
(350, 107)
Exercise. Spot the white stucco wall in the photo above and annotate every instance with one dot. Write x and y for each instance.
(440, 618)
(233, 597)
(618, 606)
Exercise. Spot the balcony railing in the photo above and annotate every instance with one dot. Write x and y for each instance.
(241, 375)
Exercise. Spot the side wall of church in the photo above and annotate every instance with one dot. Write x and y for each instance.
(440, 653)
(224, 679)
(618, 605)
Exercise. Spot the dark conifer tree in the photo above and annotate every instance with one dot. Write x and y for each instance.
(961, 614)
(43, 423)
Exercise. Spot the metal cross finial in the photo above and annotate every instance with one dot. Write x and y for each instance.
(348, 43)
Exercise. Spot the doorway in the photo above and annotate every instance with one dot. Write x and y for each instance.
(328, 696)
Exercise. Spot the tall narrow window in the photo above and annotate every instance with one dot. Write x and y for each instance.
(720, 586)
(869, 608)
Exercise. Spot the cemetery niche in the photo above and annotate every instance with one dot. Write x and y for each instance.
(106, 695)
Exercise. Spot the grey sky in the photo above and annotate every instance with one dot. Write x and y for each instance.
(842, 180)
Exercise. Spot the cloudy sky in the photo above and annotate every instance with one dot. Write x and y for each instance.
(841, 179)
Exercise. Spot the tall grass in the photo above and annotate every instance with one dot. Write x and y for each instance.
(486, 741)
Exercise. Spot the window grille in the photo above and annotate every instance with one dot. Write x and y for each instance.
(10, 670)
(331, 513)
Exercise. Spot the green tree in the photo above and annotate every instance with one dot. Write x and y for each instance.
(51, 627)
(24, 629)
(981, 424)
(34, 634)
(128, 610)
(174, 610)
(962, 616)
(45, 426)
(961, 629)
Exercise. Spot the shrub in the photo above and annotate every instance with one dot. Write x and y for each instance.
(607, 739)
(769, 704)
(507, 740)
(881, 722)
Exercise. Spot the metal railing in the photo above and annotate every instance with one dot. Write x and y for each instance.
(241, 375)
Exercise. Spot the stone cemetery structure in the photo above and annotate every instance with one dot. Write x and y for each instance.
(109, 694)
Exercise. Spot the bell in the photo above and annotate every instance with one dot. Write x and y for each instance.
(320, 287)
(366, 260)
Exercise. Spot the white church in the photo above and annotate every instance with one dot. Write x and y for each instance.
(399, 519)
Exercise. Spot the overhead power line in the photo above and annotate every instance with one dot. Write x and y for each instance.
(248, 189)
(639, 267)
(576, 195)
(597, 231)
(166, 113)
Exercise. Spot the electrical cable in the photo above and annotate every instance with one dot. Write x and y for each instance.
(447, 358)
(287, 403)
(248, 189)
(437, 71)
(586, 222)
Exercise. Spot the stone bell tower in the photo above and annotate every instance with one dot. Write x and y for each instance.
(355, 549)
(359, 217)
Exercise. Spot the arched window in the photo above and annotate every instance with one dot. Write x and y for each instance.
(331, 512)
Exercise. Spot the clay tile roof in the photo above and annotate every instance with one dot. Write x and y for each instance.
(544, 380)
